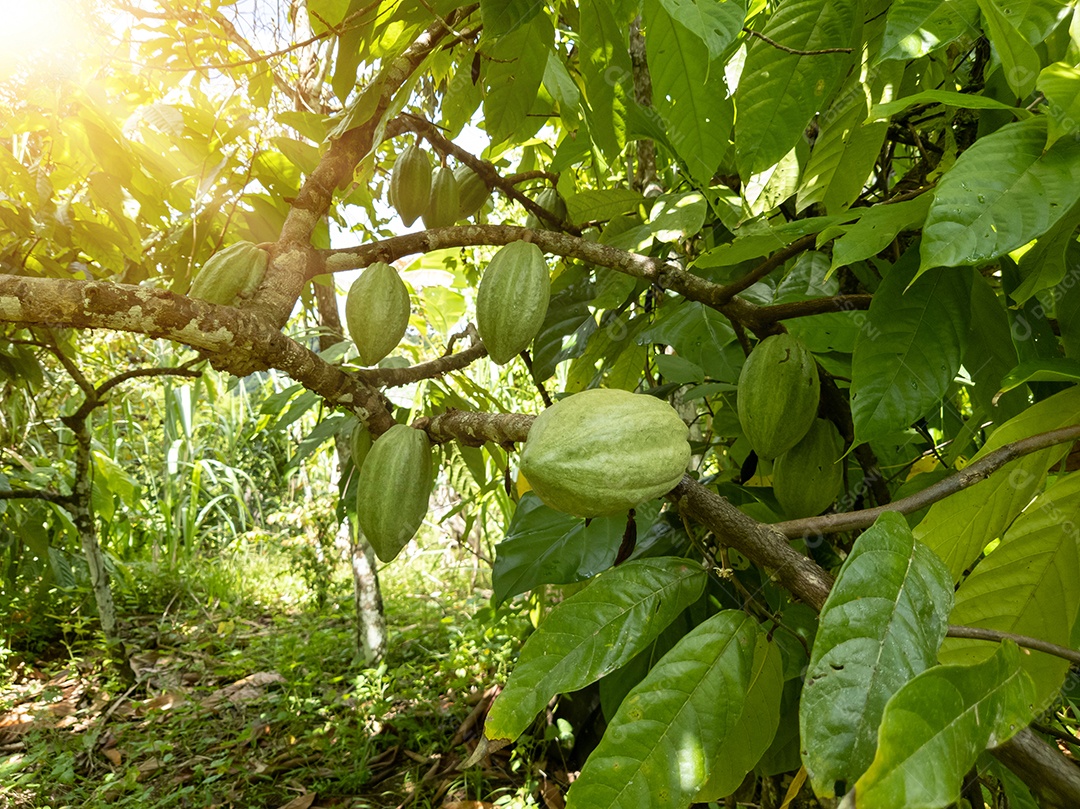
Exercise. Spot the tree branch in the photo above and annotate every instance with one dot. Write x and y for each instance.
(995, 636)
(786, 49)
(971, 474)
(36, 494)
(396, 377)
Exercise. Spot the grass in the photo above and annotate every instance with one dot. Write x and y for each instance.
(313, 718)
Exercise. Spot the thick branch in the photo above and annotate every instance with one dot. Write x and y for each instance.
(813, 306)
(1053, 777)
(995, 636)
(237, 342)
(971, 474)
(36, 494)
(396, 377)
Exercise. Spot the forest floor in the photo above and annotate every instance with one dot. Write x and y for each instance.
(249, 694)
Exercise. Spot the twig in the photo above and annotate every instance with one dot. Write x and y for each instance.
(971, 474)
(795, 51)
(996, 636)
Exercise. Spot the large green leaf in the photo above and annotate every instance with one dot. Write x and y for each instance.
(990, 353)
(607, 74)
(1068, 312)
(699, 335)
(592, 633)
(512, 76)
(918, 27)
(950, 98)
(936, 726)
(689, 92)
(877, 228)
(881, 625)
(1060, 83)
(715, 23)
(1019, 61)
(1046, 263)
(1057, 369)
(780, 92)
(1029, 585)
(602, 204)
(960, 526)
(911, 348)
(1002, 192)
(659, 749)
(500, 17)
(750, 738)
(544, 546)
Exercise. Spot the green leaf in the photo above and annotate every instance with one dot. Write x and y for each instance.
(677, 216)
(1057, 369)
(1018, 59)
(601, 205)
(1002, 192)
(750, 738)
(512, 77)
(1035, 19)
(1067, 294)
(659, 748)
(881, 625)
(607, 74)
(592, 633)
(780, 92)
(698, 334)
(949, 98)
(1045, 264)
(1029, 585)
(937, 725)
(500, 17)
(1060, 83)
(912, 346)
(544, 546)
(959, 527)
(877, 228)
(689, 92)
(915, 28)
(990, 353)
(715, 23)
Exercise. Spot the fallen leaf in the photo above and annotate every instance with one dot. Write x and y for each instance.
(302, 802)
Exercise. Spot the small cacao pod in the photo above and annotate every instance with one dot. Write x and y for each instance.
(359, 444)
(410, 183)
(778, 394)
(512, 300)
(550, 200)
(472, 192)
(393, 489)
(807, 478)
(604, 451)
(377, 312)
(231, 274)
(445, 202)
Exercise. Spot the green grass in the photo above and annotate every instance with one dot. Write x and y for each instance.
(356, 736)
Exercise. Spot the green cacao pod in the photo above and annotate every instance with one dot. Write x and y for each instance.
(601, 452)
(377, 312)
(778, 394)
(360, 444)
(807, 478)
(512, 300)
(393, 489)
(410, 183)
(445, 202)
(472, 192)
(550, 200)
(231, 275)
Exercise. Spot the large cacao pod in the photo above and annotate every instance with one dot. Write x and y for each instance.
(445, 201)
(807, 478)
(410, 183)
(472, 192)
(231, 274)
(778, 394)
(512, 300)
(602, 452)
(393, 489)
(377, 312)
(550, 200)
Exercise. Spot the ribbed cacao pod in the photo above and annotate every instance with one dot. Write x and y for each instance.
(807, 478)
(359, 444)
(472, 192)
(410, 183)
(778, 395)
(602, 452)
(550, 200)
(512, 300)
(393, 489)
(445, 202)
(377, 312)
(231, 274)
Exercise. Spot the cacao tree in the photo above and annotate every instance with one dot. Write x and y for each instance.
(836, 242)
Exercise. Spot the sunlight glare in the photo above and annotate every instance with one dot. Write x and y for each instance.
(36, 28)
